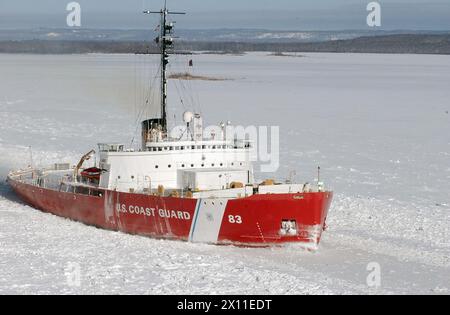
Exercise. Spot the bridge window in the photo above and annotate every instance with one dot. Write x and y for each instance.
(111, 147)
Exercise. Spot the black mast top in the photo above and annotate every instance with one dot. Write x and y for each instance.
(165, 42)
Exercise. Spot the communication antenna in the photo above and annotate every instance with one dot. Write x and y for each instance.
(31, 156)
(292, 174)
(165, 41)
(188, 117)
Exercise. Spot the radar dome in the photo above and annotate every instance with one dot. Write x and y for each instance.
(188, 117)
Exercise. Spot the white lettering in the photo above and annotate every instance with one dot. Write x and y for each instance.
(151, 212)
(235, 219)
(74, 17)
(374, 17)
(194, 306)
(374, 277)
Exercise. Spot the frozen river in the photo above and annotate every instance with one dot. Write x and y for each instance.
(378, 125)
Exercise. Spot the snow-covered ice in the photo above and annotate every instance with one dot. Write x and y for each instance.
(378, 125)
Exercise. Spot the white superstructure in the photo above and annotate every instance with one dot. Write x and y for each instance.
(180, 165)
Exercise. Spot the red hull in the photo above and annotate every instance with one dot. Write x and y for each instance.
(255, 220)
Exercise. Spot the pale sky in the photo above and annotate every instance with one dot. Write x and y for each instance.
(205, 14)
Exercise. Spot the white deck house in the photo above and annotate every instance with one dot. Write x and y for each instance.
(181, 165)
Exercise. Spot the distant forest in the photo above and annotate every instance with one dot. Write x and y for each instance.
(394, 44)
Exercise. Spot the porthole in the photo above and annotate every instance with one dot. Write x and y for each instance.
(156, 166)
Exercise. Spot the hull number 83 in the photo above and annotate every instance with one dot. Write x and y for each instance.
(235, 219)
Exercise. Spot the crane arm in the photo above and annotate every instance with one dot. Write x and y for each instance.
(84, 158)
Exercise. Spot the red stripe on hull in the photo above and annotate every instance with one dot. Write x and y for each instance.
(255, 220)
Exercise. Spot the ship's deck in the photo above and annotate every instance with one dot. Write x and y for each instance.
(63, 180)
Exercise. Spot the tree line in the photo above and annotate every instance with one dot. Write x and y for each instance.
(396, 44)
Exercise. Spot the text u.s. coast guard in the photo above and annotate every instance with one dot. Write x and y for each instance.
(153, 212)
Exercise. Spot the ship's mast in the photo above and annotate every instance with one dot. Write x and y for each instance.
(165, 42)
